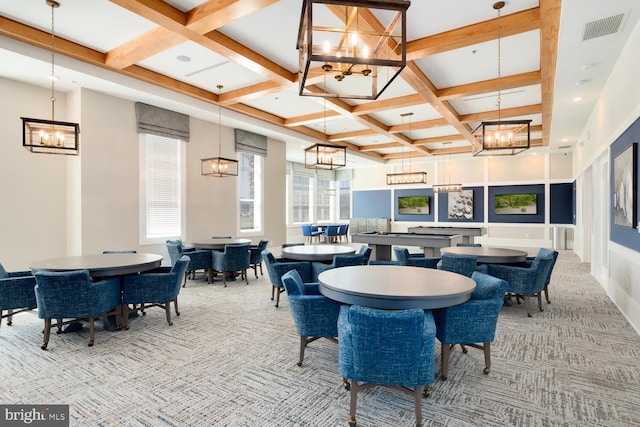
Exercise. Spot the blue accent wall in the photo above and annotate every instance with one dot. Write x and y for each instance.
(414, 192)
(538, 189)
(624, 236)
(372, 204)
(562, 202)
(478, 206)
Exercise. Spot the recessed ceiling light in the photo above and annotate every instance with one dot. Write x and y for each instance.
(582, 82)
(565, 139)
(183, 58)
(577, 99)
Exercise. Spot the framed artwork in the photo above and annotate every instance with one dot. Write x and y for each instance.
(625, 176)
(516, 204)
(460, 205)
(413, 205)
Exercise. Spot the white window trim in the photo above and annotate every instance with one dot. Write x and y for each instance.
(142, 182)
(259, 205)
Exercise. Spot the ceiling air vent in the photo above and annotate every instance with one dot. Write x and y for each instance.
(564, 147)
(602, 27)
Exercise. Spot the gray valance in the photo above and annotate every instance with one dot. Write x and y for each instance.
(161, 122)
(250, 142)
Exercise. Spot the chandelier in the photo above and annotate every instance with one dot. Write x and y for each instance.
(51, 136)
(219, 166)
(447, 188)
(407, 177)
(501, 137)
(362, 45)
(325, 155)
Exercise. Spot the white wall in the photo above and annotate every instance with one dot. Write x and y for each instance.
(64, 205)
(617, 108)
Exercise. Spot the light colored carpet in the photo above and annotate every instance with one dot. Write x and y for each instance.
(229, 360)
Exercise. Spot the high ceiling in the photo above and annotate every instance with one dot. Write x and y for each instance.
(174, 53)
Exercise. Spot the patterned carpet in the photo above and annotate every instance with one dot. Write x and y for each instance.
(229, 360)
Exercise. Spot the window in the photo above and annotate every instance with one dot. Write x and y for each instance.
(250, 182)
(162, 188)
(323, 200)
(345, 199)
(301, 198)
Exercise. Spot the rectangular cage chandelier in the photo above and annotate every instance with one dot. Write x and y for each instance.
(502, 138)
(325, 156)
(351, 49)
(406, 178)
(50, 136)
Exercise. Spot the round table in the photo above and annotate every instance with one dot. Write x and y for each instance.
(395, 287)
(219, 244)
(488, 255)
(101, 265)
(316, 252)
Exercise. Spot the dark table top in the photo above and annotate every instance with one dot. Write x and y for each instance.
(101, 265)
(219, 244)
(488, 255)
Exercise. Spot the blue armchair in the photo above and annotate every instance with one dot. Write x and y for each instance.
(310, 233)
(16, 293)
(525, 282)
(277, 268)
(361, 258)
(394, 347)
(199, 259)
(528, 262)
(72, 295)
(330, 233)
(472, 322)
(461, 264)
(415, 260)
(315, 315)
(233, 258)
(255, 256)
(157, 288)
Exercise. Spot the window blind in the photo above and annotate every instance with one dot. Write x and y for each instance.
(158, 121)
(250, 142)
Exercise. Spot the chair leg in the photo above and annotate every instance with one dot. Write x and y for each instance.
(167, 310)
(279, 291)
(9, 317)
(273, 292)
(527, 304)
(444, 361)
(540, 301)
(546, 294)
(246, 276)
(175, 306)
(92, 330)
(224, 279)
(125, 314)
(353, 404)
(255, 270)
(417, 399)
(303, 345)
(209, 275)
(119, 317)
(260, 268)
(184, 283)
(46, 334)
(487, 358)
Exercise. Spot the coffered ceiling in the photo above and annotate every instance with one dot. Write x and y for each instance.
(174, 53)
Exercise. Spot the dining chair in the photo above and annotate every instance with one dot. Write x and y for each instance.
(199, 259)
(255, 256)
(528, 281)
(342, 232)
(16, 293)
(276, 268)
(338, 261)
(415, 260)
(330, 233)
(314, 315)
(156, 288)
(234, 258)
(528, 262)
(472, 323)
(461, 264)
(72, 295)
(310, 233)
(386, 347)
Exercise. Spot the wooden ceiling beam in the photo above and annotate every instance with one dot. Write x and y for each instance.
(492, 85)
(550, 12)
(504, 113)
(248, 93)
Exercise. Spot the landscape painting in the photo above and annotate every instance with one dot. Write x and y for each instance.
(625, 172)
(413, 205)
(460, 205)
(516, 204)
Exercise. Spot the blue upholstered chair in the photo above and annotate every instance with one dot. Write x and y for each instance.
(157, 288)
(16, 293)
(315, 315)
(277, 268)
(234, 258)
(472, 323)
(528, 281)
(415, 260)
(393, 347)
(528, 262)
(72, 295)
(342, 232)
(330, 233)
(461, 264)
(255, 256)
(199, 259)
(310, 233)
(338, 261)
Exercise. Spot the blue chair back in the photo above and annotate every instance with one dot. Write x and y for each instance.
(256, 252)
(461, 264)
(293, 283)
(16, 290)
(306, 230)
(174, 247)
(236, 256)
(331, 230)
